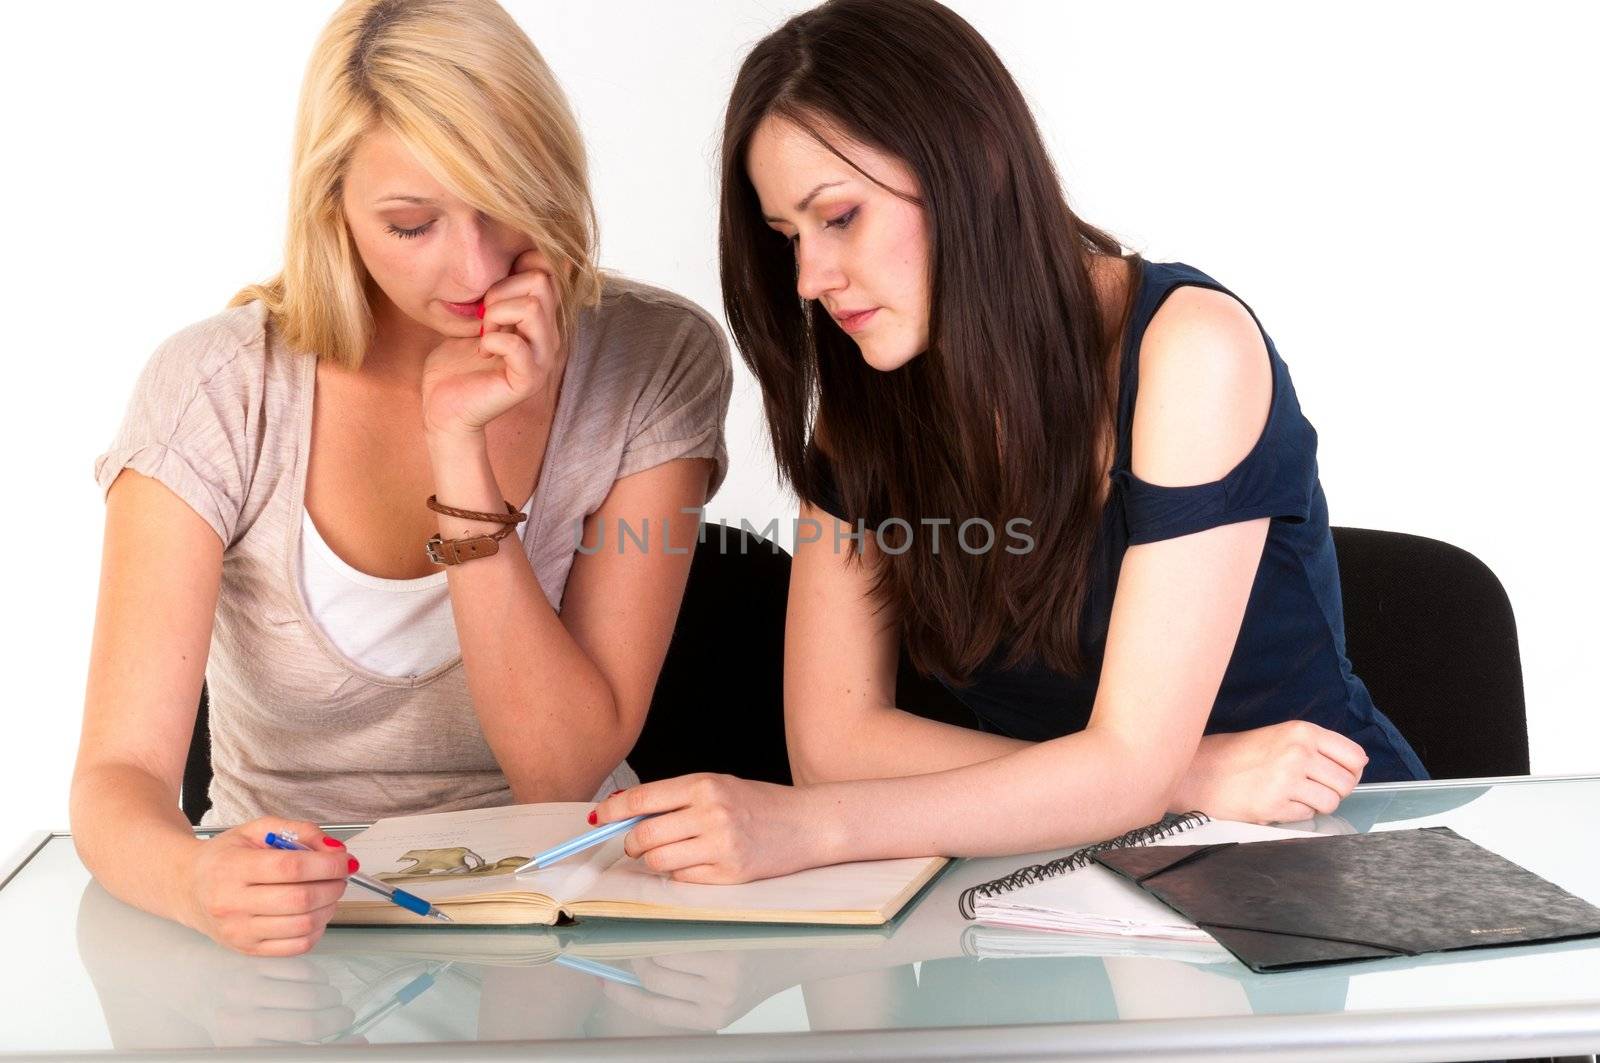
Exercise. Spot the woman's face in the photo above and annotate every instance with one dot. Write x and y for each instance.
(860, 250)
(431, 255)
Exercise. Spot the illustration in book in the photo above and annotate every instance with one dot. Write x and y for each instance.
(455, 861)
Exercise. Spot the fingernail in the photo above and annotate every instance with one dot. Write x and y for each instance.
(333, 843)
(355, 865)
(480, 310)
(480, 329)
(616, 792)
(594, 817)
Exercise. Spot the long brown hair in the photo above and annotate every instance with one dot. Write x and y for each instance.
(1006, 414)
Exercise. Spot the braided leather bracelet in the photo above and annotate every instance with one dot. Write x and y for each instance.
(512, 515)
(454, 551)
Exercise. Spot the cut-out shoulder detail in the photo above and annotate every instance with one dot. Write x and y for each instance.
(1205, 389)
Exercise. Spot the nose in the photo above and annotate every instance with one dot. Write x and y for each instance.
(816, 270)
(477, 257)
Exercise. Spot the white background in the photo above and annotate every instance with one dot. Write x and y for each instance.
(1404, 193)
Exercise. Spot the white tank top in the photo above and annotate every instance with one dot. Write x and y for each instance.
(395, 627)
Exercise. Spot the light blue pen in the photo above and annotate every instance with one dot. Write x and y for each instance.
(586, 840)
(600, 970)
(409, 901)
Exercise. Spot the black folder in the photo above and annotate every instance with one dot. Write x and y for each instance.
(1298, 902)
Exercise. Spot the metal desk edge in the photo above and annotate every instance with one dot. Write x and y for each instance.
(27, 851)
(1487, 780)
(1390, 1036)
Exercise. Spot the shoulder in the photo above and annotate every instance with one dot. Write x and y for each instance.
(638, 321)
(1205, 388)
(218, 351)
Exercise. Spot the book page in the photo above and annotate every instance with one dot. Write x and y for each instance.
(452, 855)
(867, 886)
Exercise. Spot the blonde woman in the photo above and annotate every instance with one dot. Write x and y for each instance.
(439, 329)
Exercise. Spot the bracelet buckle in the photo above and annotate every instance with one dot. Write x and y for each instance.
(455, 551)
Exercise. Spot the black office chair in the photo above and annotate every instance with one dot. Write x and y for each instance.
(718, 703)
(195, 796)
(1430, 631)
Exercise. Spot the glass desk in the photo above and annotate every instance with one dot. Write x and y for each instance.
(89, 976)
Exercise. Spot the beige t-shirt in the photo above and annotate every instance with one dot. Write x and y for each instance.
(222, 416)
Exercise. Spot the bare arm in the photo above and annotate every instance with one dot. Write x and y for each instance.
(840, 657)
(159, 572)
(159, 577)
(1162, 670)
(562, 698)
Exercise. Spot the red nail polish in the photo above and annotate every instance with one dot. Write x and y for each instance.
(355, 865)
(480, 310)
(594, 817)
(333, 843)
(480, 332)
(616, 792)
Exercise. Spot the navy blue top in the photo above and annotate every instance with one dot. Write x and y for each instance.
(1289, 662)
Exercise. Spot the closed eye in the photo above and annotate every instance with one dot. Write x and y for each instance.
(409, 234)
(842, 221)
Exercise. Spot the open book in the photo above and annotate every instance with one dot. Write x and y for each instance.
(463, 861)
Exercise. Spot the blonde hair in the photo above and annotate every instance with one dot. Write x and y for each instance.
(464, 89)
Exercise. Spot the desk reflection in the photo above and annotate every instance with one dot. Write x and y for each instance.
(162, 986)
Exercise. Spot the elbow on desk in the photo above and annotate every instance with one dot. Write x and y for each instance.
(814, 757)
(1144, 781)
(575, 773)
(804, 771)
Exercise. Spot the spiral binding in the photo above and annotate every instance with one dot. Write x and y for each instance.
(1026, 876)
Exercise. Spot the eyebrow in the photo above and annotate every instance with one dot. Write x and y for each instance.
(806, 202)
(422, 201)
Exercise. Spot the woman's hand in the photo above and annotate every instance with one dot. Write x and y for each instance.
(265, 901)
(466, 383)
(253, 1001)
(717, 828)
(1279, 774)
(700, 990)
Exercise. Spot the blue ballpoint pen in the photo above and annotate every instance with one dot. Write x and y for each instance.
(586, 840)
(402, 996)
(409, 901)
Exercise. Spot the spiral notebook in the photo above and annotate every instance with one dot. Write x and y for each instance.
(1070, 894)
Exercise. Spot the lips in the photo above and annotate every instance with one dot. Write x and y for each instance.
(463, 309)
(855, 320)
